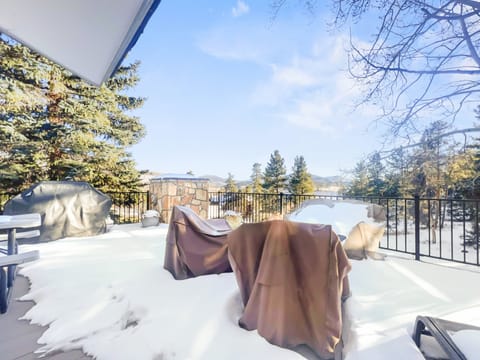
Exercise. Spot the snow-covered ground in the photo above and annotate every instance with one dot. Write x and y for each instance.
(110, 296)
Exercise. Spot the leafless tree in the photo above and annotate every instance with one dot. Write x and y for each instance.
(423, 58)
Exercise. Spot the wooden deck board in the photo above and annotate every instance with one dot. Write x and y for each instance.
(18, 338)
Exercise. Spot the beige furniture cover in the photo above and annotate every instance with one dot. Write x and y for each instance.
(195, 246)
(292, 277)
(364, 240)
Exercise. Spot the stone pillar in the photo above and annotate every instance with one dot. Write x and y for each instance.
(167, 191)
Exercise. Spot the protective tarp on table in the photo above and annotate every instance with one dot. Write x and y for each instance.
(67, 208)
(195, 246)
(343, 215)
(292, 277)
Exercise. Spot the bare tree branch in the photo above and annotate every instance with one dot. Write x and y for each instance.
(422, 62)
(446, 134)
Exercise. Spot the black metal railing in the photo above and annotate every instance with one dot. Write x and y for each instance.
(446, 229)
(127, 207)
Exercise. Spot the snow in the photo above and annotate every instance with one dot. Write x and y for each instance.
(388, 296)
(469, 342)
(151, 213)
(110, 296)
(342, 215)
(171, 176)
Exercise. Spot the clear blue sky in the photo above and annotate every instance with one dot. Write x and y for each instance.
(226, 86)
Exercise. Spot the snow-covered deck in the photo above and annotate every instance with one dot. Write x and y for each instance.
(19, 338)
(110, 296)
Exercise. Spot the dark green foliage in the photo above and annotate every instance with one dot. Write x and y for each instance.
(275, 179)
(55, 126)
(376, 175)
(396, 182)
(257, 178)
(231, 185)
(300, 181)
(359, 184)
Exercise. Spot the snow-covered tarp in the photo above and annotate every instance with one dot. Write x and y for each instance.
(343, 215)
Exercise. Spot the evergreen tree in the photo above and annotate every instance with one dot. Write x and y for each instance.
(360, 181)
(375, 174)
(247, 189)
(396, 183)
(429, 159)
(55, 126)
(257, 178)
(275, 178)
(300, 181)
(231, 185)
(469, 186)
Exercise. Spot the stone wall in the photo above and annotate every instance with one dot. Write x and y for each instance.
(169, 191)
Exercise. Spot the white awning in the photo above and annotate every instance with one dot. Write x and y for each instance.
(88, 37)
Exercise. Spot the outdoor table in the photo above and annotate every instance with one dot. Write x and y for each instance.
(11, 223)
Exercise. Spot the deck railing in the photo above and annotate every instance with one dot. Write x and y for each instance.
(127, 207)
(446, 229)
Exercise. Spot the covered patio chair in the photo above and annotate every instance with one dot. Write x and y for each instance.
(292, 278)
(195, 246)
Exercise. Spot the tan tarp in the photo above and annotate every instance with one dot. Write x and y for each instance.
(363, 240)
(195, 246)
(292, 277)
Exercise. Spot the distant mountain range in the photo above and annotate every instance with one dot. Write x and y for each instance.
(320, 181)
(217, 182)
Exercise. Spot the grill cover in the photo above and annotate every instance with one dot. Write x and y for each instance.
(292, 277)
(67, 208)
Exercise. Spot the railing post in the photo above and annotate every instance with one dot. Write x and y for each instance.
(417, 227)
(281, 203)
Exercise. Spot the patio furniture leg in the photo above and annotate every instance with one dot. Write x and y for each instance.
(12, 250)
(6, 263)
